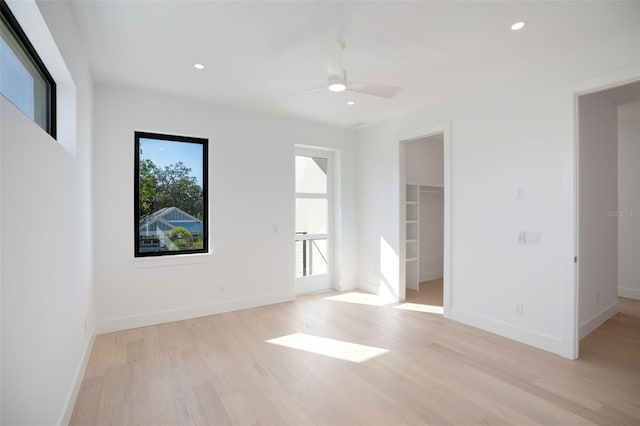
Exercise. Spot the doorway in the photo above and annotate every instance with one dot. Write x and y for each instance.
(314, 220)
(425, 210)
(608, 203)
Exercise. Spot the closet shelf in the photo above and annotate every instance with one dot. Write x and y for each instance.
(412, 235)
(431, 188)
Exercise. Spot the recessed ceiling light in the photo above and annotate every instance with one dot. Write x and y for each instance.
(198, 66)
(337, 87)
(518, 25)
(351, 102)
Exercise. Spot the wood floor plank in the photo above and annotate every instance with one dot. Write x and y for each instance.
(88, 402)
(238, 368)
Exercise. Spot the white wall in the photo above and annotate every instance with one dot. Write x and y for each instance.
(598, 195)
(431, 235)
(45, 246)
(425, 161)
(514, 134)
(629, 200)
(251, 193)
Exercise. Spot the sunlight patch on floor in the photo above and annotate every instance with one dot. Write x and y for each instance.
(431, 309)
(361, 299)
(329, 347)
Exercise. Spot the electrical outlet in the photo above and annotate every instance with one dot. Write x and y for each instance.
(519, 308)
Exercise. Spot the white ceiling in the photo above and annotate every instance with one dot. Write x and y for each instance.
(257, 52)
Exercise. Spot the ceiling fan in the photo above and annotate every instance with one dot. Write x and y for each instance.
(338, 82)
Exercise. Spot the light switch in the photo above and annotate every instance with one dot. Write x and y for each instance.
(534, 238)
(530, 238)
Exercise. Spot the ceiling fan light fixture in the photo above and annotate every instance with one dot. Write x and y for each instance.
(337, 87)
(198, 66)
(351, 102)
(518, 25)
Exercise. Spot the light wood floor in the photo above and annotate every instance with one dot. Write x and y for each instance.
(221, 370)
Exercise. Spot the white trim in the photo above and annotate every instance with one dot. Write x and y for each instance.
(170, 315)
(178, 259)
(503, 329)
(631, 293)
(311, 150)
(314, 283)
(310, 195)
(607, 81)
(70, 403)
(369, 287)
(433, 275)
(322, 290)
(347, 285)
(443, 128)
(599, 319)
(335, 167)
(571, 326)
(305, 237)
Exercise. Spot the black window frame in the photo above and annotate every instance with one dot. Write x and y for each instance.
(205, 192)
(30, 51)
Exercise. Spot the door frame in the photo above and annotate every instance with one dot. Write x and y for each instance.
(443, 128)
(312, 284)
(571, 345)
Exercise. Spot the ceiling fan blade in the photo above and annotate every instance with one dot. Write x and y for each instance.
(304, 92)
(335, 65)
(373, 89)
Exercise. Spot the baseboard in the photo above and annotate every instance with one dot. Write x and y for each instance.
(347, 285)
(428, 276)
(510, 331)
(599, 319)
(153, 318)
(631, 293)
(369, 287)
(65, 418)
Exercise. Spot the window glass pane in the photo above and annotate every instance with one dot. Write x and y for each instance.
(171, 195)
(311, 257)
(311, 215)
(311, 175)
(21, 81)
(318, 255)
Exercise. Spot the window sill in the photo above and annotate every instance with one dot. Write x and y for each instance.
(174, 260)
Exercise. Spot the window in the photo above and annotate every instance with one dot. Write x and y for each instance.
(314, 204)
(24, 80)
(170, 182)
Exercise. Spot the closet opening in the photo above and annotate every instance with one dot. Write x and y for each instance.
(424, 223)
(608, 215)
